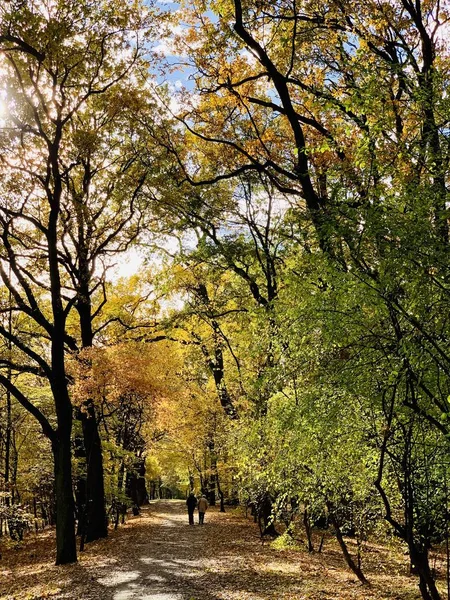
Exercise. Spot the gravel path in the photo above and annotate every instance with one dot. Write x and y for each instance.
(170, 562)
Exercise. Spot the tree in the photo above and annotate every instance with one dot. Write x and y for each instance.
(343, 108)
(127, 383)
(103, 217)
(230, 272)
(56, 63)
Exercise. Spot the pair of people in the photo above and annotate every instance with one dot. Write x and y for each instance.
(192, 503)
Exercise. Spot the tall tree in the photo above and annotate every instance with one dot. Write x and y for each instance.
(102, 218)
(343, 107)
(56, 61)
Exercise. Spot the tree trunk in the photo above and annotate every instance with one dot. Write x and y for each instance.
(213, 474)
(307, 524)
(96, 521)
(141, 487)
(96, 518)
(66, 551)
(427, 584)
(80, 504)
(221, 496)
(348, 559)
(136, 489)
(212, 490)
(8, 440)
(65, 518)
(214, 361)
(80, 486)
(265, 512)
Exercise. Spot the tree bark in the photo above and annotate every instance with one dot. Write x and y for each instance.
(427, 584)
(61, 442)
(96, 526)
(141, 487)
(307, 524)
(221, 495)
(348, 558)
(96, 523)
(213, 474)
(65, 518)
(135, 487)
(265, 512)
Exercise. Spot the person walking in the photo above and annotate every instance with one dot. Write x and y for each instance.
(191, 503)
(202, 508)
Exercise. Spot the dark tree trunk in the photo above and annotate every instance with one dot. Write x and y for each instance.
(121, 476)
(135, 487)
(307, 524)
(96, 520)
(418, 551)
(221, 496)
(80, 486)
(212, 491)
(141, 487)
(213, 474)
(65, 517)
(131, 487)
(215, 361)
(427, 584)
(265, 513)
(66, 551)
(80, 503)
(96, 526)
(348, 558)
(8, 439)
(8, 432)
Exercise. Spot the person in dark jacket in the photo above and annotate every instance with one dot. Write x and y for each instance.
(191, 503)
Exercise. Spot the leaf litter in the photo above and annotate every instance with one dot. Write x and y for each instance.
(158, 556)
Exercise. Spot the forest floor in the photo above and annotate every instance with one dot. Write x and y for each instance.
(158, 556)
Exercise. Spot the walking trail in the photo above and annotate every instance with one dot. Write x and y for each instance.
(158, 556)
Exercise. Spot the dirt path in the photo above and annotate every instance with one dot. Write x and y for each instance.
(158, 556)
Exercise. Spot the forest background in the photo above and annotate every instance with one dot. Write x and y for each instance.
(282, 168)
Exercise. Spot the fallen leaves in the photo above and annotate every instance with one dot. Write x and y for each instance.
(158, 555)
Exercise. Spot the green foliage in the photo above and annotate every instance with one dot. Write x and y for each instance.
(16, 517)
(284, 542)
